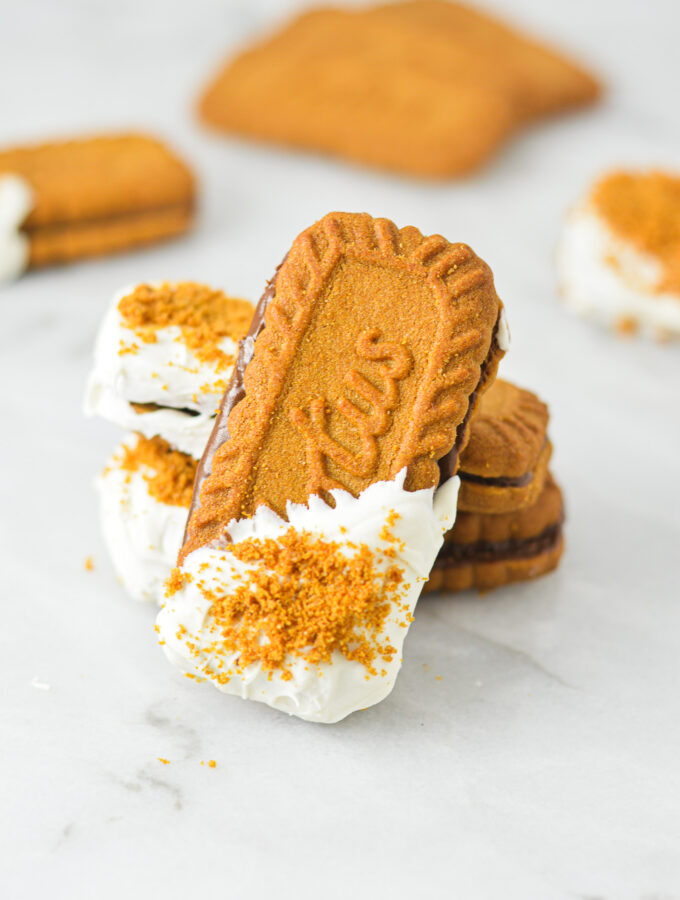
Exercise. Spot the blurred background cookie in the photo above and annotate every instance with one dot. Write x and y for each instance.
(619, 256)
(427, 88)
(71, 199)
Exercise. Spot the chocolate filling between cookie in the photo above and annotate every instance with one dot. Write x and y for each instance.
(236, 392)
(123, 218)
(452, 554)
(500, 481)
(142, 408)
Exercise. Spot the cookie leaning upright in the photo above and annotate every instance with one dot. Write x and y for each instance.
(314, 522)
(71, 199)
(374, 341)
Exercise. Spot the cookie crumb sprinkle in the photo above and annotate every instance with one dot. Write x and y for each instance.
(301, 597)
(644, 208)
(89, 564)
(204, 316)
(173, 475)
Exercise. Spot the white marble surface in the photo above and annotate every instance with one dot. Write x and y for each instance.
(531, 747)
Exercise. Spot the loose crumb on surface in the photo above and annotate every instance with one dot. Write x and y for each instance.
(89, 564)
(166, 762)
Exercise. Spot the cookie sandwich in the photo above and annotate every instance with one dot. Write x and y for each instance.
(618, 258)
(504, 465)
(484, 551)
(510, 511)
(72, 199)
(163, 357)
(314, 522)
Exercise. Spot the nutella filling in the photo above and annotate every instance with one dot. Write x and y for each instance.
(452, 554)
(236, 392)
(500, 481)
(141, 408)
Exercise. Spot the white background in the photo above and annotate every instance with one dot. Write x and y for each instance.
(544, 763)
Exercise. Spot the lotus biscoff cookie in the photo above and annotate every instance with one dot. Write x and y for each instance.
(504, 464)
(486, 551)
(67, 200)
(314, 522)
(426, 88)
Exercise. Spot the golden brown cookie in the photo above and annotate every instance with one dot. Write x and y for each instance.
(362, 358)
(100, 195)
(427, 87)
(487, 551)
(504, 464)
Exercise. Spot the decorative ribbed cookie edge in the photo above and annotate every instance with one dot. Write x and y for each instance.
(469, 309)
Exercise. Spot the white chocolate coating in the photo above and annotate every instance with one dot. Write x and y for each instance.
(605, 278)
(143, 535)
(503, 332)
(325, 692)
(16, 202)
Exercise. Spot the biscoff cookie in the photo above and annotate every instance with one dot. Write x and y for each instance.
(71, 199)
(375, 340)
(485, 551)
(619, 256)
(505, 461)
(426, 88)
(315, 522)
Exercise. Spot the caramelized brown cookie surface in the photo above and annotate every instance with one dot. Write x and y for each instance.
(504, 464)
(100, 195)
(427, 88)
(375, 339)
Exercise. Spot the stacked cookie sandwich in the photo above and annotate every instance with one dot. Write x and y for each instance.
(163, 357)
(305, 533)
(510, 513)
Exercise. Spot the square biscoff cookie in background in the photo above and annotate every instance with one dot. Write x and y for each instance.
(426, 88)
(72, 199)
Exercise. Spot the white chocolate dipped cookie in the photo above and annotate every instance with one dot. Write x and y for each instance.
(619, 255)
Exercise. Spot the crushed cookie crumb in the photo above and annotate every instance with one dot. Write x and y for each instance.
(173, 475)
(89, 564)
(301, 597)
(166, 762)
(644, 208)
(204, 316)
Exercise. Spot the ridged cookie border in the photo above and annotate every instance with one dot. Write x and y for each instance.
(463, 287)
